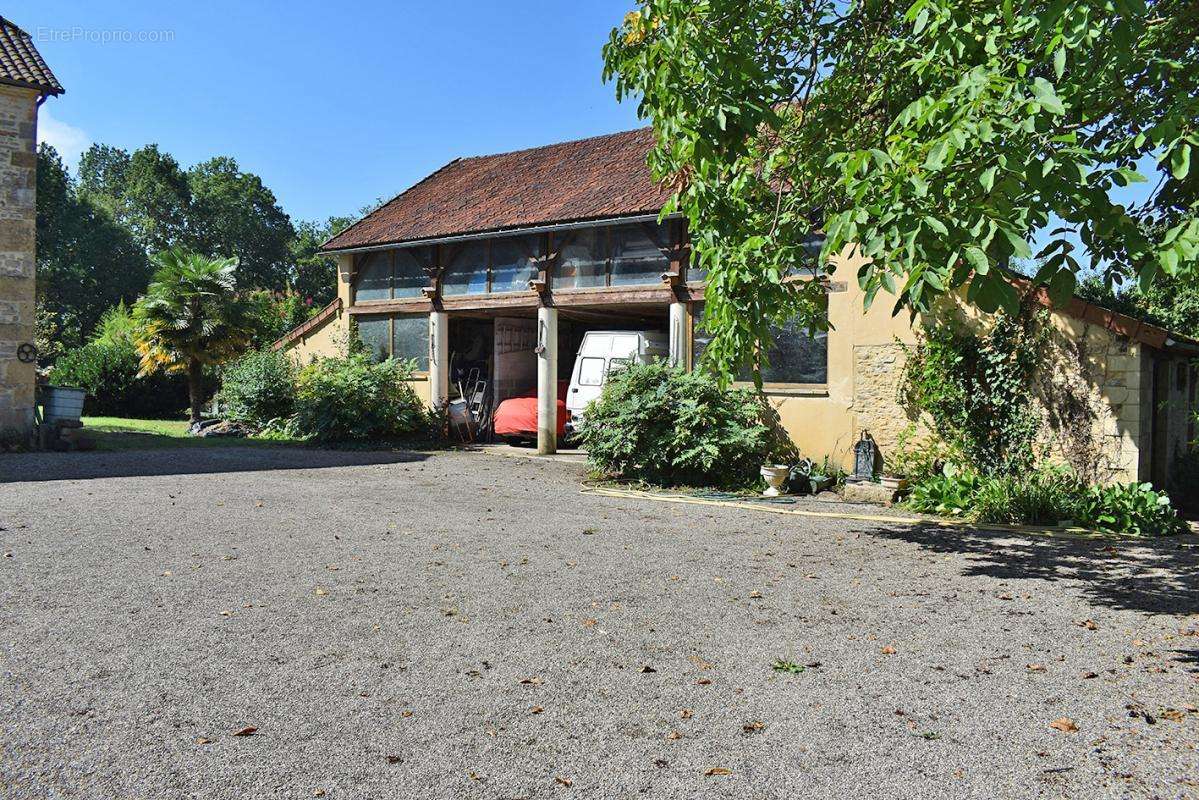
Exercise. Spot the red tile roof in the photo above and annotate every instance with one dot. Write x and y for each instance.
(20, 62)
(597, 178)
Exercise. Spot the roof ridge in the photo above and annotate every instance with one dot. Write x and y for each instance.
(558, 144)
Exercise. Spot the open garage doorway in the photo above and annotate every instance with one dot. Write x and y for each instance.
(493, 364)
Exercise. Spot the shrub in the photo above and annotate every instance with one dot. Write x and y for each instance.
(108, 372)
(258, 387)
(351, 398)
(919, 457)
(664, 425)
(1129, 508)
(1047, 496)
(950, 492)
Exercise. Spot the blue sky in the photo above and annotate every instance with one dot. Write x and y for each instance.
(334, 105)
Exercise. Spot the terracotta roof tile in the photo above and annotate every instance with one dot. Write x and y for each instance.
(20, 62)
(597, 178)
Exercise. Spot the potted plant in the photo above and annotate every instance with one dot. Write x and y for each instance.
(775, 476)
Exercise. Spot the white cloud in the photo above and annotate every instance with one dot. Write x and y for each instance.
(69, 141)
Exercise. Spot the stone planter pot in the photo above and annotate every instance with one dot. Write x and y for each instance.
(775, 476)
(893, 483)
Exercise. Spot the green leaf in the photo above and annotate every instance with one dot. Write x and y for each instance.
(1047, 97)
(1019, 245)
(936, 156)
(1059, 62)
(987, 179)
(978, 259)
(1061, 287)
(1180, 162)
(936, 225)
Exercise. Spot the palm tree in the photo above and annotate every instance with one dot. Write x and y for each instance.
(190, 316)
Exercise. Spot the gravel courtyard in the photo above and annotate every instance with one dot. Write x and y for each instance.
(471, 626)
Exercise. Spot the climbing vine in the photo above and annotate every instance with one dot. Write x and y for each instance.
(979, 388)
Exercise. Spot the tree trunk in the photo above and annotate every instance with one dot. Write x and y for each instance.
(195, 388)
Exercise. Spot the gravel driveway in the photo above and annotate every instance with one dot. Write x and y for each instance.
(471, 626)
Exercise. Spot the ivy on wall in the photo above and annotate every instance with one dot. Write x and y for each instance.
(979, 388)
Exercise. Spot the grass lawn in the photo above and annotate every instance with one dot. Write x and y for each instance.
(117, 433)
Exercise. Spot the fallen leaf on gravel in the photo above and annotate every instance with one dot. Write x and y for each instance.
(1191, 707)
(1035, 667)
(225, 613)
(888, 650)
(533, 681)
(1139, 643)
(536, 710)
(318, 792)
(756, 595)
(659, 762)
(564, 782)
(647, 668)
(167, 573)
(589, 623)
(258, 504)
(249, 730)
(1004, 597)
(394, 760)
(332, 567)
(1089, 624)
(1088, 675)
(703, 682)
(1064, 724)
(750, 727)
(674, 736)
(685, 713)
(405, 714)
(1173, 714)
(474, 776)
(203, 740)
(321, 592)
(718, 771)
(699, 662)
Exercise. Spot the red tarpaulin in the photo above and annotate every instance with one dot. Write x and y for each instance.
(517, 416)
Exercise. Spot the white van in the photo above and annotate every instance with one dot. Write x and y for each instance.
(600, 352)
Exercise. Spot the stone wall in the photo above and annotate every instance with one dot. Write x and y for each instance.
(18, 185)
(878, 370)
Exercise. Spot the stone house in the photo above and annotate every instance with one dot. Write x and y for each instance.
(25, 83)
(501, 263)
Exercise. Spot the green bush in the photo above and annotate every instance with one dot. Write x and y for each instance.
(667, 426)
(108, 371)
(950, 492)
(258, 387)
(1129, 508)
(1045, 497)
(351, 398)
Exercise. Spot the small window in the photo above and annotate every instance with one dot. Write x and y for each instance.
(410, 276)
(639, 253)
(466, 272)
(615, 364)
(514, 262)
(375, 334)
(374, 277)
(794, 355)
(582, 261)
(591, 372)
(410, 340)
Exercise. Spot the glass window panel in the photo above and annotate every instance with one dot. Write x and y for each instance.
(374, 277)
(375, 334)
(466, 273)
(411, 340)
(514, 262)
(591, 372)
(796, 356)
(582, 261)
(638, 253)
(410, 275)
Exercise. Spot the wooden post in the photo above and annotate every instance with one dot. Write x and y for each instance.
(547, 380)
